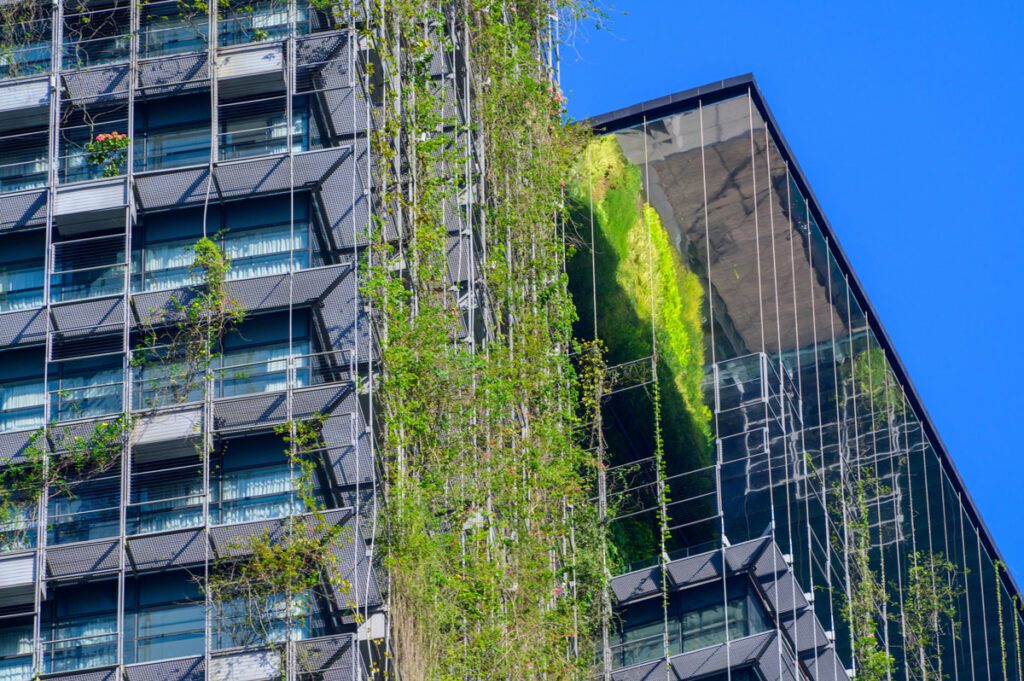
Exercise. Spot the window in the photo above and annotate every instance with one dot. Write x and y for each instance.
(22, 404)
(80, 627)
(234, 625)
(260, 127)
(696, 619)
(166, 495)
(25, 163)
(254, 481)
(164, 618)
(16, 652)
(263, 237)
(21, 286)
(85, 388)
(172, 133)
(91, 511)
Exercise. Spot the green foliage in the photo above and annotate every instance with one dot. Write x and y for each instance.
(639, 275)
(492, 546)
(51, 462)
(181, 342)
(929, 612)
(877, 386)
(276, 577)
(867, 597)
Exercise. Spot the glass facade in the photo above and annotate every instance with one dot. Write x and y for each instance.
(802, 398)
(247, 129)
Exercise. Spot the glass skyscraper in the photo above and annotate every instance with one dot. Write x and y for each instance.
(780, 504)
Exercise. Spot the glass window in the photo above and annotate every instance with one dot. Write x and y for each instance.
(696, 619)
(80, 628)
(85, 388)
(21, 404)
(16, 652)
(166, 495)
(21, 286)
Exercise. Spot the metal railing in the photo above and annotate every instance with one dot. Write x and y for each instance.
(75, 653)
(87, 268)
(101, 399)
(25, 161)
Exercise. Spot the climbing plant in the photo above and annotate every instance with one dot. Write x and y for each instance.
(929, 612)
(492, 544)
(25, 35)
(876, 385)
(54, 458)
(180, 342)
(271, 582)
(864, 603)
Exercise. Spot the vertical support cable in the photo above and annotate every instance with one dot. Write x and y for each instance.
(42, 523)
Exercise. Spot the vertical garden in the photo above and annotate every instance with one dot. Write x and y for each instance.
(490, 539)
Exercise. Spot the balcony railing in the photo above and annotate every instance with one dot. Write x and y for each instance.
(87, 401)
(25, 162)
(96, 646)
(87, 268)
(26, 41)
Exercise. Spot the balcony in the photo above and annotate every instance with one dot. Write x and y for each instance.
(26, 163)
(25, 32)
(96, 32)
(87, 268)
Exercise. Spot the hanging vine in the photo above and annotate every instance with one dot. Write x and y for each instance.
(863, 605)
(181, 342)
(274, 580)
(52, 461)
(929, 612)
(492, 544)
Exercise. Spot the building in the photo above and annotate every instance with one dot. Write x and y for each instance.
(130, 132)
(166, 420)
(793, 511)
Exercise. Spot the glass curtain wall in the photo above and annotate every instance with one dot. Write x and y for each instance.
(718, 189)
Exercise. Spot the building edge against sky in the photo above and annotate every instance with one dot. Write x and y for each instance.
(811, 411)
(249, 139)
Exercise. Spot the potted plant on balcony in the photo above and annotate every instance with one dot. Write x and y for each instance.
(109, 151)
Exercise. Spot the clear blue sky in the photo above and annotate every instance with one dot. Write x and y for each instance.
(908, 119)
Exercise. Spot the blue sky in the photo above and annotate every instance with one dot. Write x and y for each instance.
(908, 119)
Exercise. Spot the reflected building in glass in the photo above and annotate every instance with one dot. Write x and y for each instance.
(780, 505)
